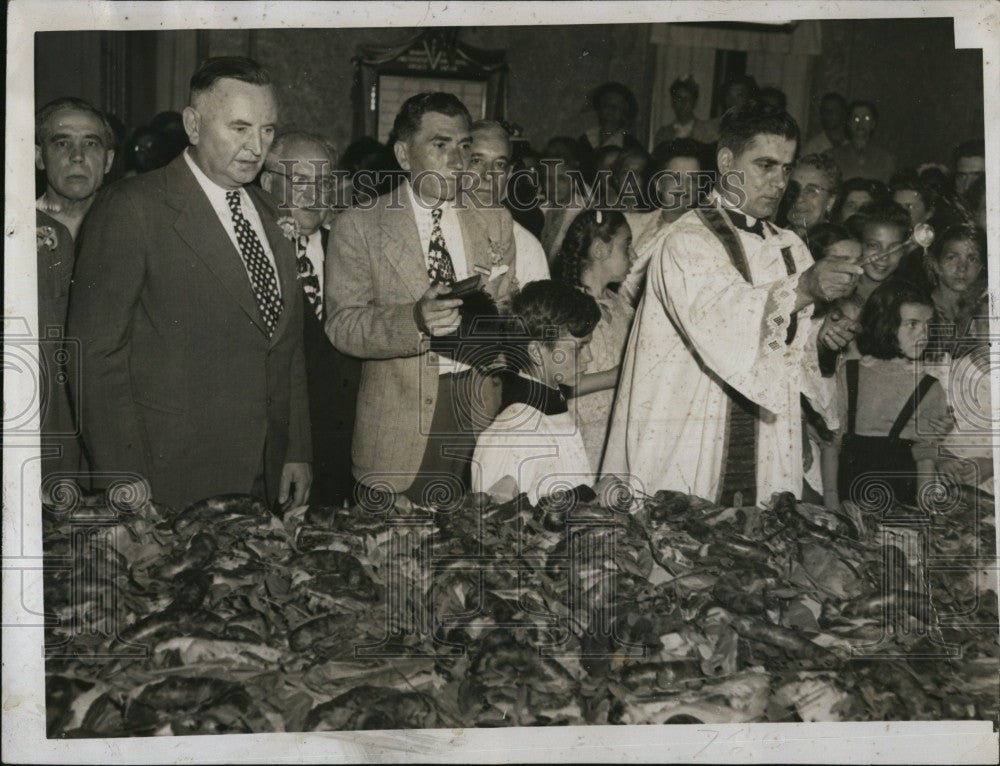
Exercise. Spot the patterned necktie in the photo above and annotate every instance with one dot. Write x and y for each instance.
(262, 277)
(439, 266)
(307, 275)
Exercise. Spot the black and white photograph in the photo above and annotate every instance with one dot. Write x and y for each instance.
(501, 381)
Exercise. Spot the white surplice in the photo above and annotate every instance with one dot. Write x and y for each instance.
(700, 325)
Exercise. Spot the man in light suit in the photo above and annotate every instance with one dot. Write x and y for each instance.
(389, 267)
(186, 306)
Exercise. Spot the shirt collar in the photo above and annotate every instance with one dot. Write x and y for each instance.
(419, 204)
(212, 189)
(720, 201)
(521, 389)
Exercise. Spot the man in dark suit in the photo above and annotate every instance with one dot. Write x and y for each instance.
(389, 268)
(74, 146)
(186, 306)
(297, 173)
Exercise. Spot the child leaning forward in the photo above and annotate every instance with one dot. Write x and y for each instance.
(534, 445)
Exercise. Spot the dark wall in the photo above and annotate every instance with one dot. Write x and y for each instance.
(551, 71)
(929, 95)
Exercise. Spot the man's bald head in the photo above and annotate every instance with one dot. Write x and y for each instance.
(491, 150)
(298, 173)
(490, 130)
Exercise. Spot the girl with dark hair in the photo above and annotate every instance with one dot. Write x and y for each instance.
(548, 348)
(595, 258)
(885, 419)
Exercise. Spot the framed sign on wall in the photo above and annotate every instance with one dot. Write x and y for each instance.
(435, 60)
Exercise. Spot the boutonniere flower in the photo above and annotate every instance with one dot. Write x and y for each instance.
(289, 227)
(495, 251)
(46, 238)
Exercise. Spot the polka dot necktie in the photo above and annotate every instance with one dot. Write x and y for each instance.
(439, 266)
(308, 278)
(262, 277)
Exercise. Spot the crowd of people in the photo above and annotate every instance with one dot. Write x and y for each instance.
(737, 312)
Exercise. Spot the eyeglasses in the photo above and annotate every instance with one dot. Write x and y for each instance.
(862, 118)
(302, 184)
(812, 191)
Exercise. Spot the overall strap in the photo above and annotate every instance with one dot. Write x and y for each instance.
(851, 368)
(910, 408)
(716, 223)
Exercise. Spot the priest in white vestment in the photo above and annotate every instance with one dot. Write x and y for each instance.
(724, 335)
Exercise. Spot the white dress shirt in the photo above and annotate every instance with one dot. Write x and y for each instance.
(530, 264)
(217, 199)
(451, 230)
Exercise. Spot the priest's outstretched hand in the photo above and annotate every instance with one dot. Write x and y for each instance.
(826, 280)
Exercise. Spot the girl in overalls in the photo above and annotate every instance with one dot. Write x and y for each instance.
(886, 401)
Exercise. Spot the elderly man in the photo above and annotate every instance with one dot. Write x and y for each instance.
(297, 173)
(390, 269)
(817, 181)
(74, 145)
(860, 156)
(723, 342)
(490, 161)
(186, 305)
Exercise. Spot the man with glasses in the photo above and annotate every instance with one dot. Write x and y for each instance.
(298, 173)
(859, 156)
(816, 180)
(723, 344)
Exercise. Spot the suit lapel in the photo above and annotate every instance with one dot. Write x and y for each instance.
(474, 234)
(199, 226)
(401, 245)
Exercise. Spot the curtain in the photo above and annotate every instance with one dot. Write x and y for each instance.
(780, 58)
(177, 57)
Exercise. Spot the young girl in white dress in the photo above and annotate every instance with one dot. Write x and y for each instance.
(595, 257)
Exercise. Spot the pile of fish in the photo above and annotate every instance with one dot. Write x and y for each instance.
(226, 619)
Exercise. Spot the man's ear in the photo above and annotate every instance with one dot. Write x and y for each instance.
(191, 120)
(724, 159)
(830, 203)
(266, 182)
(402, 153)
(39, 160)
(109, 161)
